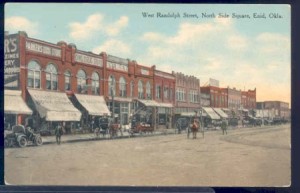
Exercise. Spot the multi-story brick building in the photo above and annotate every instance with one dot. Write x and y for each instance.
(249, 99)
(218, 96)
(62, 83)
(187, 94)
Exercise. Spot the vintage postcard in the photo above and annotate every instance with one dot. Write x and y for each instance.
(147, 94)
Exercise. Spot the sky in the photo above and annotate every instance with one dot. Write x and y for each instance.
(238, 50)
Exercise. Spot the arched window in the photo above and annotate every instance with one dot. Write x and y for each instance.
(111, 85)
(81, 82)
(51, 77)
(140, 90)
(67, 80)
(131, 88)
(95, 84)
(148, 90)
(34, 75)
(122, 87)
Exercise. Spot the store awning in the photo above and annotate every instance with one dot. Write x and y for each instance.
(149, 103)
(211, 113)
(14, 104)
(220, 112)
(95, 105)
(54, 106)
(166, 105)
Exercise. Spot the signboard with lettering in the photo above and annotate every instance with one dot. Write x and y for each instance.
(11, 61)
(43, 49)
(213, 82)
(144, 72)
(116, 66)
(82, 58)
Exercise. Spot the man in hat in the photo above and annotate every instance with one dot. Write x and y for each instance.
(58, 133)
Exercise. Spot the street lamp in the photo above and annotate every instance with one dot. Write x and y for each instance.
(112, 99)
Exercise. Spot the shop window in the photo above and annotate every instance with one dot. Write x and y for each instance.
(95, 84)
(81, 82)
(122, 87)
(166, 93)
(51, 77)
(111, 86)
(148, 90)
(140, 90)
(67, 80)
(34, 75)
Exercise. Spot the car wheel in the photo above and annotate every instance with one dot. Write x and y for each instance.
(38, 140)
(22, 141)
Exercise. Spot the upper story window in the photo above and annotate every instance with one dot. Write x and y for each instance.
(34, 75)
(180, 94)
(131, 88)
(122, 87)
(81, 82)
(158, 91)
(148, 90)
(140, 90)
(67, 80)
(51, 77)
(111, 85)
(95, 84)
(166, 93)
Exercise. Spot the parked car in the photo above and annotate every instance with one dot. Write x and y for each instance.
(21, 136)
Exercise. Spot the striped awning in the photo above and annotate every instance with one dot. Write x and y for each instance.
(220, 112)
(211, 113)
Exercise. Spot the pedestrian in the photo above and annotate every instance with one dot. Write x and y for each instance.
(224, 127)
(194, 129)
(58, 133)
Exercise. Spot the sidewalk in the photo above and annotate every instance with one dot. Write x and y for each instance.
(69, 138)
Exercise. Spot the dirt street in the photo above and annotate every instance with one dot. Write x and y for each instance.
(244, 157)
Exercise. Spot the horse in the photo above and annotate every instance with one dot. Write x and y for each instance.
(113, 130)
(194, 129)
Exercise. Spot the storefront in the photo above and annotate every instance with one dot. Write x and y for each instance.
(212, 119)
(221, 113)
(52, 108)
(122, 109)
(93, 108)
(14, 107)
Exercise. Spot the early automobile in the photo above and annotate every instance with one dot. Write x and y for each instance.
(21, 136)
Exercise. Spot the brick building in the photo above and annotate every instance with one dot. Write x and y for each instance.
(218, 96)
(62, 83)
(187, 94)
(249, 99)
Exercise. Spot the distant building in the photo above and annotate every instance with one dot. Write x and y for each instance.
(277, 108)
(218, 96)
(249, 99)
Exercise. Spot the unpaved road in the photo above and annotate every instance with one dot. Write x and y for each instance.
(244, 157)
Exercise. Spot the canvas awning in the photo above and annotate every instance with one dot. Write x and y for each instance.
(166, 105)
(54, 106)
(221, 113)
(149, 103)
(14, 104)
(211, 113)
(95, 105)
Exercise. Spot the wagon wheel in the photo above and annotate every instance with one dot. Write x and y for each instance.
(22, 141)
(38, 140)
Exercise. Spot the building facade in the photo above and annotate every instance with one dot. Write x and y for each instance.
(249, 99)
(218, 96)
(188, 98)
(279, 109)
(64, 77)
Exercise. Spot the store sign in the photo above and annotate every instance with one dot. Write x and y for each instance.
(82, 58)
(11, 61)
(213, 82)
(145, 72)
(116, 66)
(43, 49)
